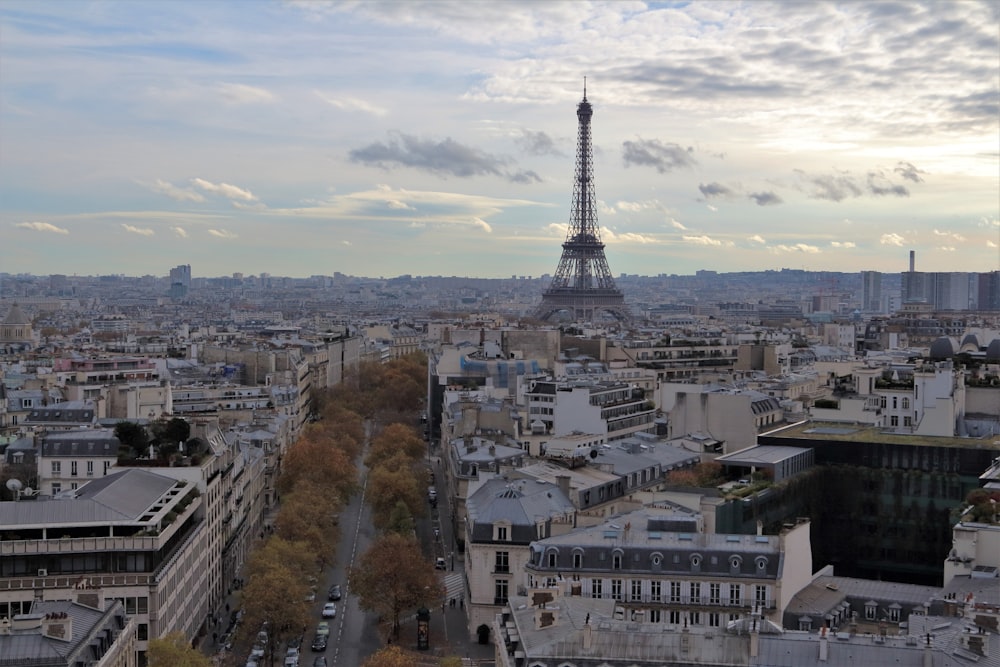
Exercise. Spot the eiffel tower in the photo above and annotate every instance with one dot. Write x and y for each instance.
(582, 285)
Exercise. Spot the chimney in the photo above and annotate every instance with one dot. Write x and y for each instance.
(824, 646)
(913, 260)
(563, 481)
(58, 625)
(754, 634)
(588, 635)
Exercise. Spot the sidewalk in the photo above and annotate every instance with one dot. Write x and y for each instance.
(448, 637)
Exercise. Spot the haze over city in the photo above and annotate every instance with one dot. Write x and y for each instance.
(438, 138)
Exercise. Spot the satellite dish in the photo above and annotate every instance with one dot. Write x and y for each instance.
(593, 453)
(14, 484)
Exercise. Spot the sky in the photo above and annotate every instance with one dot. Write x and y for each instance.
(438, 138)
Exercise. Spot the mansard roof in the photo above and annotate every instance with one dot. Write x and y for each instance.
(520, 503)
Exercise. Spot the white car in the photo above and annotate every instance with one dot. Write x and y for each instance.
(329, 610)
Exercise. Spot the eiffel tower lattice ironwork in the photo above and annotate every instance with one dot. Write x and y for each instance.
(582, 285)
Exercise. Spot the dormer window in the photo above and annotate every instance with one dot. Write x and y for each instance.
(616, 560)
(695, 562)
(761, 563)
(735, 562)
(501, 532)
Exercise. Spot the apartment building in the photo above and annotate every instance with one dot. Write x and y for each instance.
(611, 409)
(69, 459)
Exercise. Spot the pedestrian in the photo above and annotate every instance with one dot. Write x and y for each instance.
(461, 603)
(442, 607)
(227, 606)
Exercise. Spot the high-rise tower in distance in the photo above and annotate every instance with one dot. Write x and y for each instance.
(582, 285)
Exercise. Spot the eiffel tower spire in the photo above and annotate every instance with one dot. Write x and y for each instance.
(582, 285)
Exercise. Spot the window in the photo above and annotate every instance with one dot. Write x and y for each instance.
(894, 614)
(142, 632)
(870, 611)
(760, 595)
(616, 589)
(72, 468)
(90, 468)
(906, 403)
(675, 591)
(597, 588)
(502, 563)
(107, 466)
(552, 558)
(56, 488)
(695, 617)
(500, 591)
(675, 617)
(616, 561)
(696, 592)
(501, 533)
(894, 420)
(713, 619)
(635, 594)
(56, 467)
(74, 486)
(715, 594)
(907, 421)
(654, 615)
(734, 594)
(894, 401)
(654, 590)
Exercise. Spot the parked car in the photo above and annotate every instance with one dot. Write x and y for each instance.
(292, 657)
(311, 595)
(320, 661)
(323, 628)
(330, 610)
(334, 592)
(319, 643)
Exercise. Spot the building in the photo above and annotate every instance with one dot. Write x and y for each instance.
(84, 630)
(504, 517)
(69, 459)
(610, 408)
(660, 569)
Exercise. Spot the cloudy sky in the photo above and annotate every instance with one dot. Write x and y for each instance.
(438, 138)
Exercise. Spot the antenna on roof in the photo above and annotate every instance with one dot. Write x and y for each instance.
(584, 88)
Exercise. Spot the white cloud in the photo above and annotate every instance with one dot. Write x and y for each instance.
(174, 192)
(351, 104)
(991, 244)
(892, 239)
(239, 93)
(397, 205)
(180, 231)
(42, 227)
(702, 240)
(141, 231)
(626, 237)
(345, 243)
(482, 224)
(711, 208)
(756, 238)
(952, 235)
(947, 248)
(797, 247)
(677, 225)
(222, 234)
(842, 244)
(224, 189)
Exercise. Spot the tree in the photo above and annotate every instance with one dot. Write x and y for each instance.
(172, 431)
(307, 515)
(393, 577)
(173, 650)
(391, 483)
(400, 520)
(393, 439)
(390, 656)
(132, 436)
(315, 456)
(275, 593)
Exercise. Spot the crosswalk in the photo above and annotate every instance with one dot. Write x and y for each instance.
(454, 583)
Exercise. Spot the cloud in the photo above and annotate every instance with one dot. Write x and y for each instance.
(892, 239)
(239, 93)
(397, 205)
(991, 244)
(711, 208)
(174, 192)
(537, 143)
(141, 231)
(352, 104)
(664, 157)
(798, 247)
(482, 224)
(909, 172)
(702, 240)
(626, 237)
(715, 190)
(222, 234)
(842, 244)
(345, 243)
(677, 225)
(951, 235)
(765, 198)
(947, 248)
(180, 231)
(756, 238)
(878, 185)
(42, 227)
(447, 157)
(834, 187)
(224, 189)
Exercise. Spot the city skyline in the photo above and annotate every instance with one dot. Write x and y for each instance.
(380, 139)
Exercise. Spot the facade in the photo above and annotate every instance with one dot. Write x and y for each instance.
(611, 409)
(69, 459)
(660, 570)
(136, 535)
(504, 517)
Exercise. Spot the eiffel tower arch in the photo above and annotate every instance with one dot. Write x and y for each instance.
(582, 285)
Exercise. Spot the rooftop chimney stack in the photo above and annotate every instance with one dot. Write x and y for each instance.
(913, 260)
